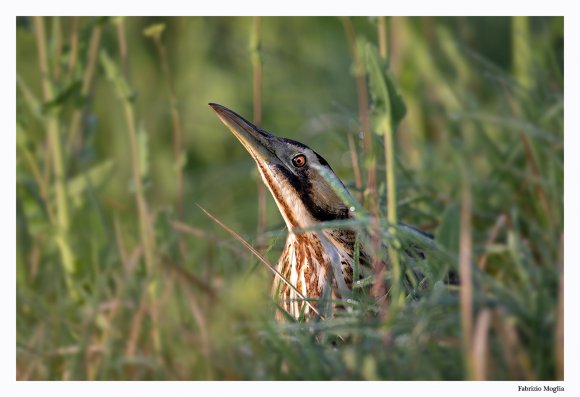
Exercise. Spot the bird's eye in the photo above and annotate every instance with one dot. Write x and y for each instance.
(299, 161)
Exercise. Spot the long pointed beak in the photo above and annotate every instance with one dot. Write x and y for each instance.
(259, 143)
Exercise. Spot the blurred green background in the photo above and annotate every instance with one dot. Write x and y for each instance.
(110, 287)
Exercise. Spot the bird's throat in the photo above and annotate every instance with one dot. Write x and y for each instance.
(318, 268)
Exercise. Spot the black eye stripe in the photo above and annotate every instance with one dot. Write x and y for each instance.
(303, 187)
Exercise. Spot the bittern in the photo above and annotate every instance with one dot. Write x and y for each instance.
(314, 264)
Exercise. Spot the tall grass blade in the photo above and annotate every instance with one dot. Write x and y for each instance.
(263, 260)
(58, 163)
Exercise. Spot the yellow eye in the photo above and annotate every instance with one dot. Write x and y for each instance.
(299, 161)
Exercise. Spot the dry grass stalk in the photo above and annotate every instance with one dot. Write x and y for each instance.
(264, 261)
(256, 58)
(481, 345)
(491, 238)
(466, 287)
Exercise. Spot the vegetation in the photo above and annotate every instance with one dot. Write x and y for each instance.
(453, 125)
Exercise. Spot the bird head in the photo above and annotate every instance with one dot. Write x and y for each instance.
(290, 170)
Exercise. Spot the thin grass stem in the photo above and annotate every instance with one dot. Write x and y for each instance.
(480, 347)
(74, 47)
(364, 116)
(466, 287)
(256, 59)
(74, 133)
(559, 337)
(356, 167)
(382, 35)
(147, 233)
(386, 129)
(263, 260)
(57, 156)
(57, 48)
(155, 33)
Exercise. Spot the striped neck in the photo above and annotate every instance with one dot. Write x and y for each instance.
(320, 266)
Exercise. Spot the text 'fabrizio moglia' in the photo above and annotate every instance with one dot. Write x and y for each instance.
(553, 389)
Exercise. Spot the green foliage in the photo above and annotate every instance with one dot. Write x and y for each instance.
(128, 286)
(154, 31)
(387, 100)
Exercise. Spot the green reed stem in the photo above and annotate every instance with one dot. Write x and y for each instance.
(256, 58)
(56, 153)
(155, 32)
(145, 220)
(370, 160)
(77, 117)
